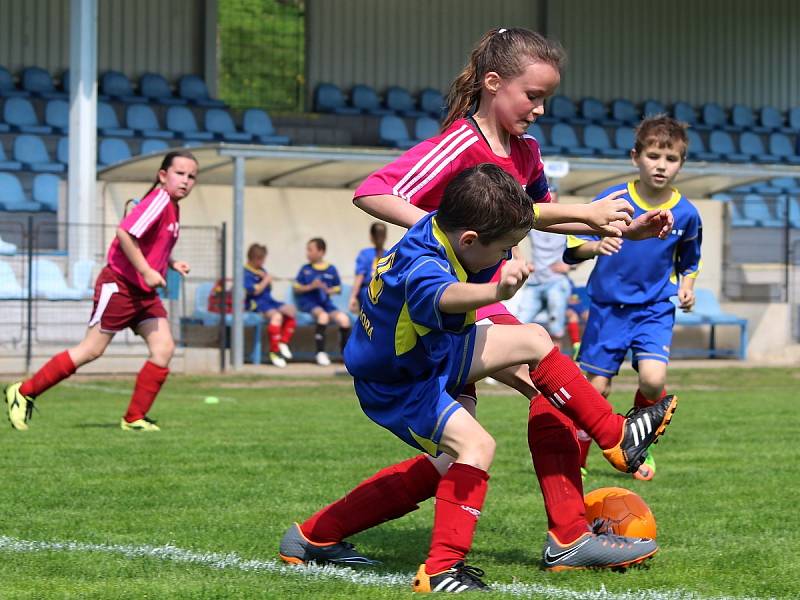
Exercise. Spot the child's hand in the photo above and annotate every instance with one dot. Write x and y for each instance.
(153, 279)
(654, 223)
(608, 246)
(353, 305)
(512, 277)
(686, 299)
(606, 214)
(181, 267)
(317, 284)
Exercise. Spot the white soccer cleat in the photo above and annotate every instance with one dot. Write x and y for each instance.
(285, 351)
(323, 360)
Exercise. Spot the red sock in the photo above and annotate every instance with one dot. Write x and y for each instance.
(641, 401)
(459, 499)
(574, 331)
(556, 459)
(54, 370)
(389, 494)
(274, 332)
(562, 384)
(287, 329)
(584, 443)
(148, 383)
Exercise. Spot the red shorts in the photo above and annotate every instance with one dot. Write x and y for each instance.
(119, 304)
(500, 316)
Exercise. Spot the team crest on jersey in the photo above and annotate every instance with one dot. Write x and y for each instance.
(174, 228)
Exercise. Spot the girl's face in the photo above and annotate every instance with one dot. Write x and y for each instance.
(518, 101)
(179, 178)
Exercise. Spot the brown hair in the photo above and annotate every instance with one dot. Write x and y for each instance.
(661, 131)
(506, 52)
(486, 200)
(319, 243)
(256, 251)
(169, 157)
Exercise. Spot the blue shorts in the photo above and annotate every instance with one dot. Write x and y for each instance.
(613, 329)
(328, 306)
(264, 304)
(417, 411)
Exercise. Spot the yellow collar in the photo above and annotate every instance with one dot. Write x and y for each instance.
(320, 267)
(254, 270)
(440, 235)
(644, 205)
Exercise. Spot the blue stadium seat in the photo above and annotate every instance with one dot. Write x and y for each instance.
(432, 102)
(722, 143)
(364, 98)
(425, 128)
(652, 108)
(722, 197)
(62, 151)
(742, 117)
(538, 134)
(562, 134)
(117, 86)
(562, 108)
(794, 120)
(65, 82)
(156, 89)
(10, 289)
(328, 98)
(81, 277)
(39, 82)
(780, 145)
(708, 311)
(12, 198)
(220, 123)
(144, 121)
(112, 151)
(750, 143)
(713, 116)
(45, 191)
(765, 188)
(737, 218)
(788, 185)
(193, 89)
(8, 165)
(595, 137)
(258, 123)
(755, 208)
(784, 202)
(625, 139)
(180, 119)
(108, 124)
(149, 146)
(393, 132)
(32, 153)
(7, 249)
(8, 88)
(771, 118)
(49, 282)
(19, 114)
(594, 111)
(697, 149)
(399, 101)
(624, 111)
(683, 111)
(56, 115)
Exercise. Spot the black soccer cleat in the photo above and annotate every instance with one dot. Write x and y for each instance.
(297, 549)
(458, 578)
(642, 427)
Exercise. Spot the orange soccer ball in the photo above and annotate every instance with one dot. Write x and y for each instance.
(625, 511)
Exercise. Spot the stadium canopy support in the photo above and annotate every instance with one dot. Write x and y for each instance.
(318, 167)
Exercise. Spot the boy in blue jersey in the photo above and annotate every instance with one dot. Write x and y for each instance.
(414, 348)
(314, 285)
(632, 281)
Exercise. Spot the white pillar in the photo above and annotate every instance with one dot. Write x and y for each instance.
(81, 187)
(237, 328)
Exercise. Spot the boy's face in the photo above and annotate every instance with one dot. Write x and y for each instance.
(258, 261)
(313, 253)
(475, 256)
(658, 166)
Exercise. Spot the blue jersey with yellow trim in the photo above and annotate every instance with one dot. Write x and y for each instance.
(325, 272)
(402, 335)
(366, 261)
(645, 271)
(253, 276)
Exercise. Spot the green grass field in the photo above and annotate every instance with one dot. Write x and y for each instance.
(196, 511)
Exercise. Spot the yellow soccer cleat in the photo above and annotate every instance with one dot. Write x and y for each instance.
(18, 407)
(143, 424)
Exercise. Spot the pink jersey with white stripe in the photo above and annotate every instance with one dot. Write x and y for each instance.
(420, 175)
(154, 222)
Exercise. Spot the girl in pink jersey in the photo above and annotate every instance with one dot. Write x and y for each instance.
(509, 75)
(125, 296)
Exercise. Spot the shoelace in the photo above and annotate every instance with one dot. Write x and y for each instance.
(602, 527)
(29, 410)
(149, 420)
(474, 574)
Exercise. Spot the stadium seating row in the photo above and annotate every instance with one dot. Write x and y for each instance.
(48, 281)
(753, 210)
(364, 100)
(153, 88)
(44, 195)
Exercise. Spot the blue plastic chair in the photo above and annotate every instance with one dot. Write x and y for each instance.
(62, 151)
(220, 123)
(624, 111)
(364, 98)
(8, 165)
(742, 117)
(562, 134)
(39, 82)
(45, 191)
(180, 119)
(32, 153)
(117, 86)
(685, 112)
(399, 101)
(595, 137)
(112, 151)
(737, 217)
(652, 108)
(81, 277)
(625, 139)
(425, 128)
(12, 198)
(562, 108)
(211, 319)
(432, 102)
(786, 203)
(697, 149)
(794, 120)
(20, 115)
(8, 88)
(149, 146)
(707, 307)
(108, 124)
(156, 89)
(714, 117)
(594, 111)
(754, 207)
(536, 131)
(750, 143)
(56, 115)
(788, 185)
(10, 289)
(722, 143)
(193, 89)
(780, 145)
(49, 282)
(328, 98)
(144, 121)
(392, 132)
(258, 123)
(771, 118)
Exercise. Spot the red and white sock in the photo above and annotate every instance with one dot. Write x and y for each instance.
(287, 329)
(585, 444)
(54, 370)
(148, 384)
(561, 382)
(390, 493)
(274, 332)
(556, 459)
(642, 401)
(459, 500)
(574, 332)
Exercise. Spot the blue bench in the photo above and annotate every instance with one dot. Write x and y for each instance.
(707, 312)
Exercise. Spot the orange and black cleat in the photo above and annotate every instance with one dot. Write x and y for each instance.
(642, 427)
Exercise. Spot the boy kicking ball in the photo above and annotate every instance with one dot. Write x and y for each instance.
(416, 345)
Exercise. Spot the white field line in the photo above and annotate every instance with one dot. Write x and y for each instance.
(232, 560)
(126, 391)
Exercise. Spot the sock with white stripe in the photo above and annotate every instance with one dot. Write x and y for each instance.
(561, 382)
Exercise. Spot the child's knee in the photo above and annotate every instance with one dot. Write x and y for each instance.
(538, 339)
(323, 318)
(651, 386)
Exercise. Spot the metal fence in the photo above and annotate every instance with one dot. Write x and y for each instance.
(47, 273)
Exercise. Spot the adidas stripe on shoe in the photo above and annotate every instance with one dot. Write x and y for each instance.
(642, 427)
